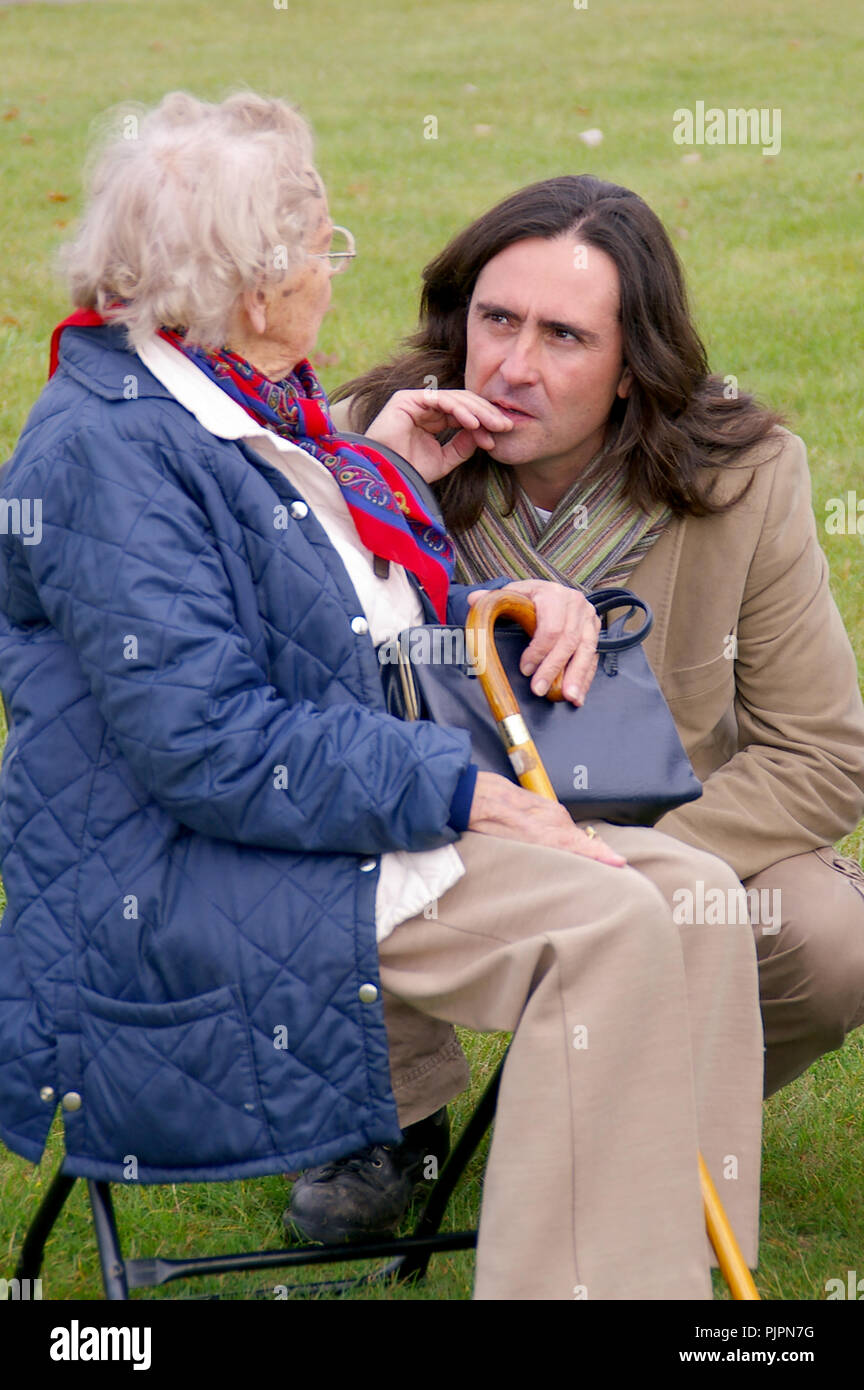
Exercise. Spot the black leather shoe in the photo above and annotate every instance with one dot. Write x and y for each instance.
(366, 1194)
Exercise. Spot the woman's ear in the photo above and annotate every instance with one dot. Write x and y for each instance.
(255, 305)
(625, 383)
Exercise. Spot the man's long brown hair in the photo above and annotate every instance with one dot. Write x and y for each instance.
(678, 422)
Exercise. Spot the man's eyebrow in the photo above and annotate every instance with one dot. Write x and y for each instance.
(586, 334)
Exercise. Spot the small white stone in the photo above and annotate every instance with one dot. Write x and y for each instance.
(591, 137)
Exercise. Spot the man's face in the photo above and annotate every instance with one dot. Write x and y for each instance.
(544, 339)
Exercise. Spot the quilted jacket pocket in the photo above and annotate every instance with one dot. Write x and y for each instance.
(167, 1084)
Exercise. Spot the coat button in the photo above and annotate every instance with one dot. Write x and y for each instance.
(71, 1101)
(298, 510)
(367, 994)
(368, 865)
(46, 1093)
(360, 626)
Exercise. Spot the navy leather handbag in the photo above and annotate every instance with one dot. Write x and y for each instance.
(618, 757)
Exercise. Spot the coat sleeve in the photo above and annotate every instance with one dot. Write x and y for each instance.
(457, 599)
(797, 780)
(129, 573)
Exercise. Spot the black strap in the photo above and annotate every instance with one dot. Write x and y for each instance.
(606, 601)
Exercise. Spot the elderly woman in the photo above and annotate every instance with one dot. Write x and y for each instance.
(218, 846)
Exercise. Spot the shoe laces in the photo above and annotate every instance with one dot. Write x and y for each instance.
(357, 1162)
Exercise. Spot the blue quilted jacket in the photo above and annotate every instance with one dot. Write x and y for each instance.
(187, 938)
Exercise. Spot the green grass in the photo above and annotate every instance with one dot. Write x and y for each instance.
(772, 250)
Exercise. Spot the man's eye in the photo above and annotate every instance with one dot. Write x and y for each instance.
(564, 335)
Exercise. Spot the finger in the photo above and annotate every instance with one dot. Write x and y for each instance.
(597, 848)
(463, 445)
(579, 674)
(545, 633)
(565, 646)
(577, 644)
(486, 413)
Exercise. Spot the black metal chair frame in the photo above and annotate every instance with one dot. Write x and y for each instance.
(407, 1256)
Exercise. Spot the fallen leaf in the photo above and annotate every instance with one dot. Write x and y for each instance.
(859, 176)
(794, 43)
(355, 190)
(11, 114)
(26, 140)
(58, 197)
(683, 203)
(328, 359)
(156, 46)
(61, 222)
(11, 320)
(591, 137)
(583, 110)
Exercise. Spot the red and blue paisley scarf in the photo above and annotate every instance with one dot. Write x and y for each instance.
(391, 520)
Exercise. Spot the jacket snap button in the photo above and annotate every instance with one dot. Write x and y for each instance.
(298, 510)
(368, 994)
(71, 1101)
(360, 626)
(46, 1093)
(367, 866)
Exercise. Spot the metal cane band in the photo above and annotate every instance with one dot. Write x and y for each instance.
(514, 731)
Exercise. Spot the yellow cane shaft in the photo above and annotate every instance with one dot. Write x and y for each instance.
(523, 755)
(526, 763)
(722, 1237)
(536, 778)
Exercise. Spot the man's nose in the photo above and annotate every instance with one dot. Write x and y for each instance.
(519, 366)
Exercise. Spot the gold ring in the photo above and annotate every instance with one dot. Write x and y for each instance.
(590, 832)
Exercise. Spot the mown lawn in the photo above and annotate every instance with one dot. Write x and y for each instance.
(772, 248)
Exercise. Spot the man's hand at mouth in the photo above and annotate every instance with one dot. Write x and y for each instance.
(411, 420)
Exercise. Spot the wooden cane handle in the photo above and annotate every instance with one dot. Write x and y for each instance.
(481, 620)
(523, 755)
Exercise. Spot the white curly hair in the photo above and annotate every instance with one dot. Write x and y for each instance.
(192, 203)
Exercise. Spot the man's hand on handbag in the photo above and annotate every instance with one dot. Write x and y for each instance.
(565, 638)
(501, 808)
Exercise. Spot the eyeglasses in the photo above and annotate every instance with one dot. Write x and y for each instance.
(342, 251)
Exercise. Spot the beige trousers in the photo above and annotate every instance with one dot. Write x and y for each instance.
(636, 1042)
(811, 985)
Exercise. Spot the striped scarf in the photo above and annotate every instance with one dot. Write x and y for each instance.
(594, 536)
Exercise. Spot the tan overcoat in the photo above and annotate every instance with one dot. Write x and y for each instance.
(773, 723)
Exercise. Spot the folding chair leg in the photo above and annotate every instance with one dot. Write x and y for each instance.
(30, 1261)
(415, 1264)
(110, 1258)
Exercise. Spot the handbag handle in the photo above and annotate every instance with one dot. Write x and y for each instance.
(605, 601)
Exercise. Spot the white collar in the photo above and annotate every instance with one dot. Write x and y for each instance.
(210, 405)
